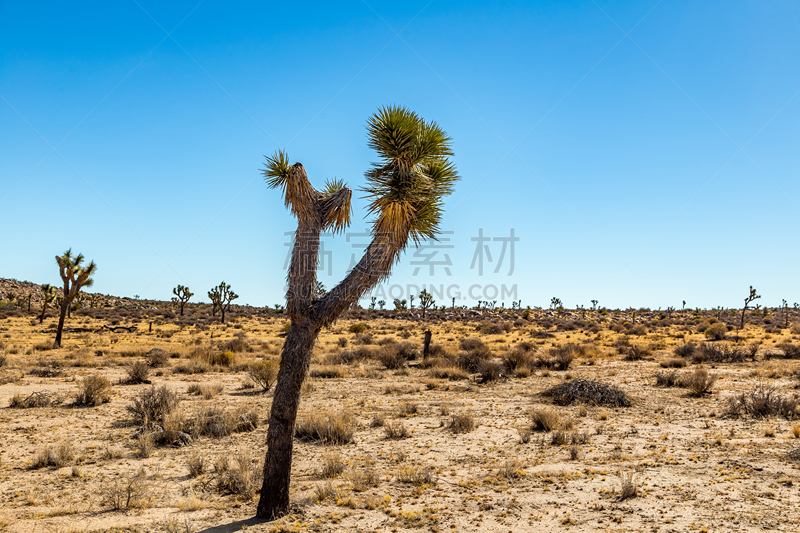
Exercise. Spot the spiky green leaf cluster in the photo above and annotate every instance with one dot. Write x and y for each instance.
(406, 186)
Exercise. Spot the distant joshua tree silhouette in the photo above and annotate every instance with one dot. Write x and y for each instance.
(221, 297)
(48, 296)
(750, 298)
(405, 189)
(182, 295)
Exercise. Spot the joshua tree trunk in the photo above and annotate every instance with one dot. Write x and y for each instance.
(61, 318)
(295, 359)
(44, 310)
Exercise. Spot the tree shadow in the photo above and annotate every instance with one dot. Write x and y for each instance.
(235, 526)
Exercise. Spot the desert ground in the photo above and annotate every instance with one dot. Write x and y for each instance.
(161, 426)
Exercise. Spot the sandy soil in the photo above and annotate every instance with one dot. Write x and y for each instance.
(693, 467)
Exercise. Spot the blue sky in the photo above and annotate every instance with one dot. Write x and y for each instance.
(644, 153)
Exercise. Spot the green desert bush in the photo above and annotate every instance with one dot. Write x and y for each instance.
(93, 391)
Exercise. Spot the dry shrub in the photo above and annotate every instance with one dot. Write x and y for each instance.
(462, 422)
(332, 466)
(408, 409)
(263, 373)
(698, 382)
(328, 372)
(685, 350)
(716, 331)
(152, 404)
(57, 456)
(637, 352)
(787, 351)
(761, 402)
(358, 327)
(364, 338)
(396, 430)
(157, 358)
(129, 492)
(473, 353)
(139, 372)
(396, 355)
(587, 391)
(327, 427)
(342, 342)
(667, 379)
(491, 371)
(93, 391)
(36, 399)
(348, 357)
(561, 356)
(719, 353)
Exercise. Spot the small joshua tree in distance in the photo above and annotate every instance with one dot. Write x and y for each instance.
(752, 296)
(381, 304)
(221, 297)
(182, 295)
(48, 296)
(426, 301)
(75, 276)
(405, 190)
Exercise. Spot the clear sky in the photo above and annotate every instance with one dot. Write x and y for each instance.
(644, 153)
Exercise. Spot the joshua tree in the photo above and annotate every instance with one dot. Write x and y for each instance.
(426, 301)
(785, 313)
(405, 189)
(399, 304)
(750, 298)
(411, 301)
(48, 295)
(454, 302)
(222, 297)
(75, 276)
(372, 302)
(182, 295)
(381, 303)
(594, 305)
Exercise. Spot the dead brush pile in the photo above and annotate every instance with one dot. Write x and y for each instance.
(586, 391)
(723, 353)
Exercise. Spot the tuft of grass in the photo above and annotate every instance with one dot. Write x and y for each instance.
(332, 466)
(462, 422)
(240, 475)
(327, 427)
(628, 486)
(415, 475)
(195, 463)
(58, 456)
(207, 391)
(547, 420)
(396, 430)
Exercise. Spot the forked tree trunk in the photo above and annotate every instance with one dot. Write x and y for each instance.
(295, 358)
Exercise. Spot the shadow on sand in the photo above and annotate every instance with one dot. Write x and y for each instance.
(235, 526)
